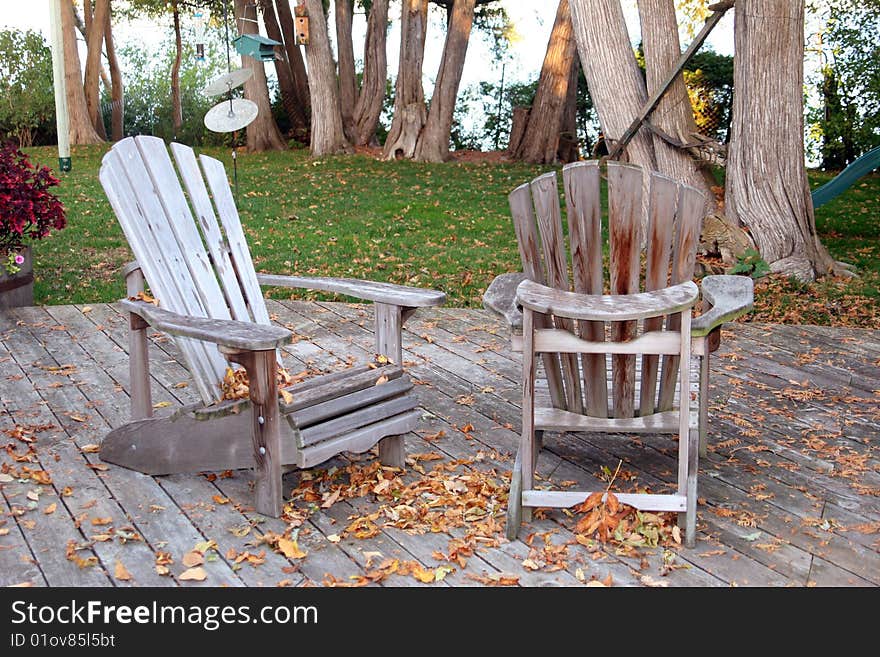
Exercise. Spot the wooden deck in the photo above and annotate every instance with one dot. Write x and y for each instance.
(789, 494)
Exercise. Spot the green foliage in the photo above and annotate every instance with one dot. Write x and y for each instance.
(27, 101)
(445, 226)
(846, 121)
(752, 264)
(148, 92)
(709, 79)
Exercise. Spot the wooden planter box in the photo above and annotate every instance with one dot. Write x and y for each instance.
(18, 289)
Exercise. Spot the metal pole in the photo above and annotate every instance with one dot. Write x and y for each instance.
(62, 119)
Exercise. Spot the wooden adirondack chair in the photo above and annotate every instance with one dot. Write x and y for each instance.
(200, 271)
(559, 323)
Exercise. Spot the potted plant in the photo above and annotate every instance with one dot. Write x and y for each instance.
(28, 211)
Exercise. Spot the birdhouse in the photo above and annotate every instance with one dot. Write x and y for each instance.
(256, 46)
(302, 25)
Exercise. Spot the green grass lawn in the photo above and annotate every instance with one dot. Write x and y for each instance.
(443, 226)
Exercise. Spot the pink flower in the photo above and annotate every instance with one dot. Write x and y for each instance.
(19, 259)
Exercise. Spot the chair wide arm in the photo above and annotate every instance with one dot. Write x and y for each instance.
(730, 296)
(500, 298)
(245, 336)
(396, 295)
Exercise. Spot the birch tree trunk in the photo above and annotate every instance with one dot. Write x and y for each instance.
(766, 184)
(95, 21)
(262, 133)
(433, 142)
(348, 90)
(116, 89)
(409, 96)
(539, 143)
(82, 130)
(372, 94)
(328, 136)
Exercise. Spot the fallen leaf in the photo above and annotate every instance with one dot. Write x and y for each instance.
(196, 574)
(162, 404)
(334, 538)
(102, 521)
(91, 448)
(193, 558)
(120, 572)
(290, 549)
(219, 499)
(5, 478)
(50, 509)
(76, 418)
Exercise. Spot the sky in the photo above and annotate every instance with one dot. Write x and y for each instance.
(533, 21)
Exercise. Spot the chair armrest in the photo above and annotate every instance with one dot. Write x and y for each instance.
(396, 295)
(246, 336)
(607, 307)
(730, 296)
(500, 298)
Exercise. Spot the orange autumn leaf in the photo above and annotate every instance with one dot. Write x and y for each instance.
(290, 549)
(120, 572)
(193, 558)
(50, 509)
(196, 574)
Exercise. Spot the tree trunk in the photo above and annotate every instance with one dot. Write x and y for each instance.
(766, 181)
(409, 96)
(292, 105)
(348, 91)
(262, 132)
(540, 140)
(567, 150)
(95, 27)
(433, 142)
(674, 113)
(613, 76)
(116, 95)
(82, 130)
(518, 122)
(328, 136)
(295, 59)
(372, 94)
(176, 104)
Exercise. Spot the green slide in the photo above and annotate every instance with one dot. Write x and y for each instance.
(845, 179)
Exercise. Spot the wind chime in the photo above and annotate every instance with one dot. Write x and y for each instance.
(232, 114)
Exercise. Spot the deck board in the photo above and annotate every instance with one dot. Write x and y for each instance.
(790, 490)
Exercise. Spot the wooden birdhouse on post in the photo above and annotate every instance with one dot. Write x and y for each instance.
(256, 46)
(302, 25)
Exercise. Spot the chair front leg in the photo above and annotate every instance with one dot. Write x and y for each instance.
(261, 367)
(138, 353)
(389, 343)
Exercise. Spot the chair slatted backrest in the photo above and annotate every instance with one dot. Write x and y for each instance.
(157, 217)
(675, 213)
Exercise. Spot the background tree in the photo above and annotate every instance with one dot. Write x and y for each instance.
(96, 14)
(291, 97)
(433, 141)
(766, 181)
(409, 95)
(374, 80)
(82, 129)
(845, 120)
(27, 105)
(328, 136)
(540, 137)
(262, 133)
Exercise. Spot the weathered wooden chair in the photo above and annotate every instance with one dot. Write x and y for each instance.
(209, 300)
(559, 323)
